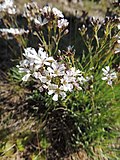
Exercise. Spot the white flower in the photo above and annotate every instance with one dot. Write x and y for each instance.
(73, 72)
(41, 81)
(44, 57)
(62, 23)
(117, 50)
(67, 83)
(40, 21)
(109, 75)
(57, 13)
(6, 4)
(24, 63)
(14, 31)
(30, 53)
(37, 75)
(34, 65)
(46, 10)
(89, 78)
(31, 10)
(32, 58)
(24, 70)
(118, 41)
(70, 79)
(26, 12)
(57, 69)
(46, 77)
(12, 10)
(39, 59)
(82, 80)
(56, 90)
(26, 77)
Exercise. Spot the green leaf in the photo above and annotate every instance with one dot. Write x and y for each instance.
(20, 145)
(9, 148)
(44, 144)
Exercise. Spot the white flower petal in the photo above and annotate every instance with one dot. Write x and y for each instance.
(55, 97)
(37, 75)
(43, 79)
(26, 77)
(50, 92)
(104, 71)
(104, 78)
(50, 70)
(57, 13)
(109, 75)
(109, 83)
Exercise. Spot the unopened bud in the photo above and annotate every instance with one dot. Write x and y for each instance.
(66, 31)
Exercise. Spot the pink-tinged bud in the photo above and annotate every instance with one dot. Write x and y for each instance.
(66, 31)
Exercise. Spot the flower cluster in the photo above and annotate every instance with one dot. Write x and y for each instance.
(44, 15)
(14, 31)
(109, 75)
(62, 23)
(53, 76)
(49, 12)
(8, 6)
(31, 10)
(56, 78)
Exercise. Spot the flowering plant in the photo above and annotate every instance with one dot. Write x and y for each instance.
(56, 77)
(74, 93)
